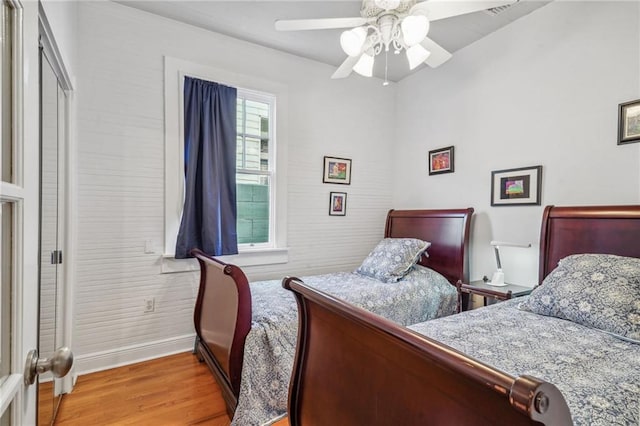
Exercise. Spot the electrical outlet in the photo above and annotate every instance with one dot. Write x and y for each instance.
(150, 304)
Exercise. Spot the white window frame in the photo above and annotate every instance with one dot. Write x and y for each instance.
(269, 99)
(175, 72)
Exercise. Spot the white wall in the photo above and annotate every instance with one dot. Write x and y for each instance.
(541, 91)
(62, 16)
(121, 175)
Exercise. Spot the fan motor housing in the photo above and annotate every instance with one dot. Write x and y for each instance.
(373, 8)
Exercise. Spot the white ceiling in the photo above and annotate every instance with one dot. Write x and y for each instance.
(253, 21)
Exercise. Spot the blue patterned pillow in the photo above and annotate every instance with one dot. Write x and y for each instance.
(392, 258)
(596, 290)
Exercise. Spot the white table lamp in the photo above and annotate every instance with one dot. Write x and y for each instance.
(498, 276)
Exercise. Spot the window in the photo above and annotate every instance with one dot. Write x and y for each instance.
(255, 112)
(261, 168)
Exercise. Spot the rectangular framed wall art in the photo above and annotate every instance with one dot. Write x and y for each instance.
(629, 122)
(516, 187)
(337, 204)
(337, 170)
(441, 161)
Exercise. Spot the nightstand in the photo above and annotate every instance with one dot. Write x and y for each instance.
(489, 292)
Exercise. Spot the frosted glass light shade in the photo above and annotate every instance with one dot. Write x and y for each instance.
(416, 55)
(387, 4)
(352, 40)
(414, 29)
(364, 66)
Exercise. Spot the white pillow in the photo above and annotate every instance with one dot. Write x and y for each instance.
(392, 258)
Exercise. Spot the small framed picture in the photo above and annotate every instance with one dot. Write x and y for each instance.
(516, 187)
(629, 122)
(337, 170)
(441, 161)
(337, 203)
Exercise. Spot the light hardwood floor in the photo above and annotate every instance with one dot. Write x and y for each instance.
(175, 390)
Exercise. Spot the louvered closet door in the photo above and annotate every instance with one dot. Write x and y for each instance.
(53, 109)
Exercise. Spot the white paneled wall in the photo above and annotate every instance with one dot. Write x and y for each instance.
(542, 91)
(121, 175)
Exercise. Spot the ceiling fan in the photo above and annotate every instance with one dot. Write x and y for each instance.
(391, 25)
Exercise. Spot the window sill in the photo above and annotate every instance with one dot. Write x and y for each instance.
(276, 256)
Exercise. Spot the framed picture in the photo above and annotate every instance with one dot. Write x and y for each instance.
(441, 161)
(516, 187)
(337, 203)
(337, 170)
(629, 122)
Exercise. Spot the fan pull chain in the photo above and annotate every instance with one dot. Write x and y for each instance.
(386, 66)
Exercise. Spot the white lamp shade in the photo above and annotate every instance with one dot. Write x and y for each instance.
(414, 29)
(416, 55)
(352, 40)
(364, 66)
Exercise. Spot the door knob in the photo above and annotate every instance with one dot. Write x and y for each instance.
(59, 364)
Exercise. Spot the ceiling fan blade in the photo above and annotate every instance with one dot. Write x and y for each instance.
(318, 24)
(435, 10)
(345, 69)
(438, 54)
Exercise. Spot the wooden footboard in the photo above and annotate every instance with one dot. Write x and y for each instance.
(355, 368)
(222, 314)
(225, 300)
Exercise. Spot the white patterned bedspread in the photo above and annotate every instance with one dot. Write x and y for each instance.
(598, 374)
(421, 295)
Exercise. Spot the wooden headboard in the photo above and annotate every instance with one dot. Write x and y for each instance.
(446, 230)
(587, 229)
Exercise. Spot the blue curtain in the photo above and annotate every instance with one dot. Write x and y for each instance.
(209, 214)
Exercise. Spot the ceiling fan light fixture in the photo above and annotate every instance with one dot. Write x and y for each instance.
(352, 40)
(391, 25)
(364, 66)
(416, 55)
(414, 29)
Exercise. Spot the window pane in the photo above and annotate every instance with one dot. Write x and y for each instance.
(239, 118)
(253, 208)
(6, 174)
(253, 190)
(6, 98)
(5, 288)
(239, 151)
(252, 155)
(253, 135)
(256, 111)
(264, 143)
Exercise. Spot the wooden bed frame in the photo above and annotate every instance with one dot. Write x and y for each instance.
(353, 367)
(222, 313)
